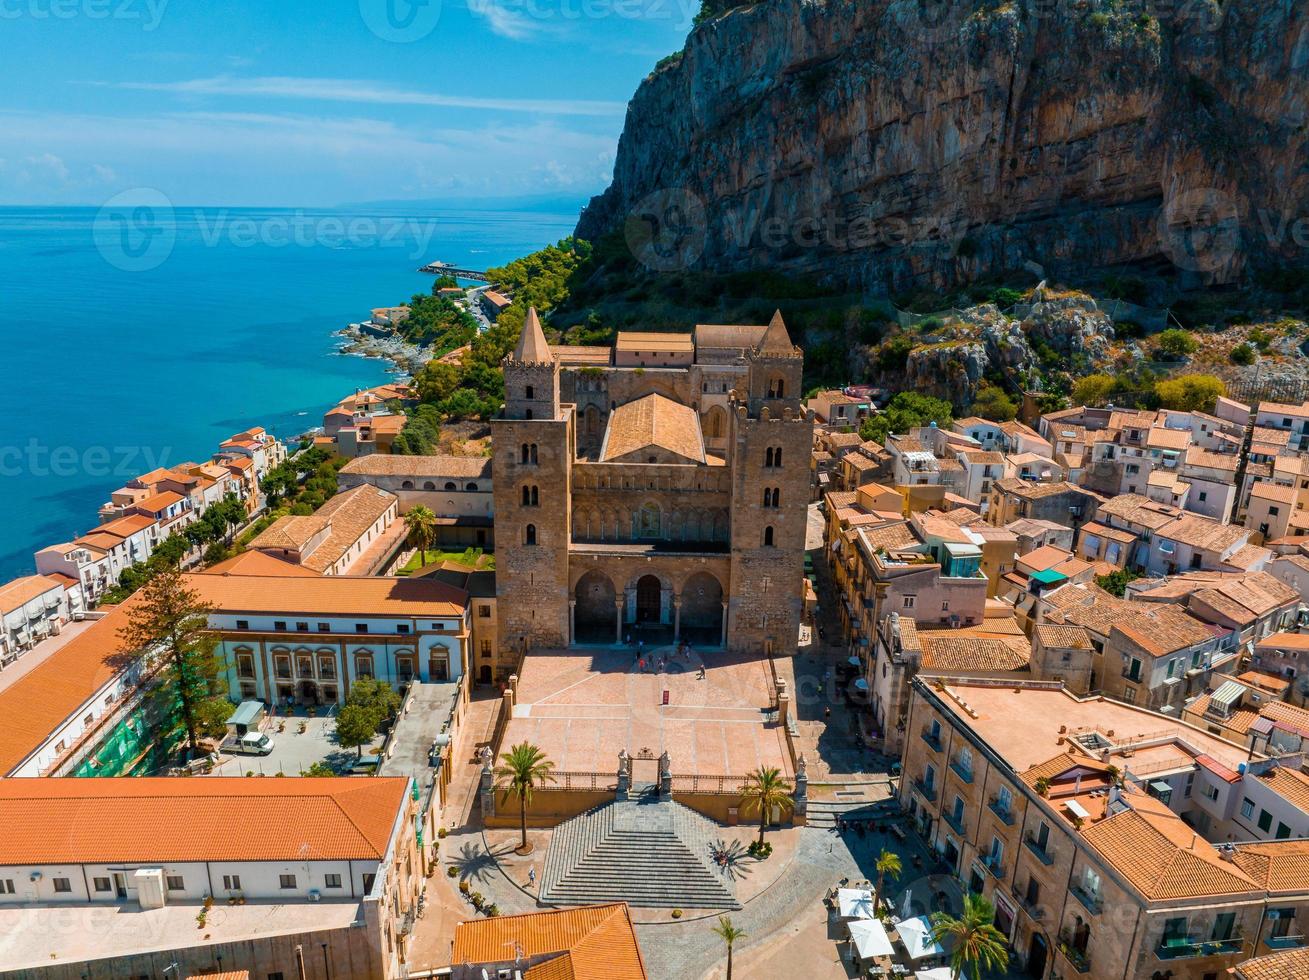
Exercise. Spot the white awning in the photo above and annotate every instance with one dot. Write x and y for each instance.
(855, 903)
(916, 937)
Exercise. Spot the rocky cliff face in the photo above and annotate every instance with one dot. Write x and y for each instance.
(893, 144)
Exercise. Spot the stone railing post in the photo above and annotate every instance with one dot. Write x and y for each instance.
(801, 795)
(665, 777)
(486, 785)
(624, 776)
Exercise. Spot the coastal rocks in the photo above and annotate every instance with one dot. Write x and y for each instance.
(368, 340)
(905, 144)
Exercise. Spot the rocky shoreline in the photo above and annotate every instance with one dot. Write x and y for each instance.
(407, 359)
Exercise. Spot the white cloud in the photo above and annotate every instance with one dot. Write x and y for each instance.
(513, 24)
(376, 93)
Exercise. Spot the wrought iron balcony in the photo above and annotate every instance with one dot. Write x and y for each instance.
(1043, 853)
(1284, 942)
(925, 791)
(1005, 813)
(1182, 947)
(933, 740)
(965, 774)
(1093, 903)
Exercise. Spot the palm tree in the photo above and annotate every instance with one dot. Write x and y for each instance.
(523, 768)
(729, 934)
(766, 790)
(975, 939)
(888, 863)
(421, 525)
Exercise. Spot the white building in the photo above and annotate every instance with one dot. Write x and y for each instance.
(32, 608)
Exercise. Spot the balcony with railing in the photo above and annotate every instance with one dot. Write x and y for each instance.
(932, 738)
(1044, 852)
(1002, 810)
(956, 822)
(1034, 911)
(1284, 942)
(965, 773)
(1093, 902)
(1183, 947)
(993, 864)
(1078, 959)
(924, 790)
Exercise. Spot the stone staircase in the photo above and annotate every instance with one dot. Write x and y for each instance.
(823, 814)
(645, 851)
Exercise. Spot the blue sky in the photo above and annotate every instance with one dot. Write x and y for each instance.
(318, 102)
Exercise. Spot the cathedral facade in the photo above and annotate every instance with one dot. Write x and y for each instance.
(653, 491)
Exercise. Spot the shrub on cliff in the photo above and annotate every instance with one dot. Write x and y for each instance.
(1242, 354)
(1093, 390)
(1175, 344)
(992, 403)
(1190, 392)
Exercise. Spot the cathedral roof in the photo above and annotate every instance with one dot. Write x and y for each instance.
(776, 340)
(653, 422)
(532, 347)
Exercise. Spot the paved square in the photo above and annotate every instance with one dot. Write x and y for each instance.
(582, 707)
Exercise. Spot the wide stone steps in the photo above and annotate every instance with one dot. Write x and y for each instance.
(646, 852)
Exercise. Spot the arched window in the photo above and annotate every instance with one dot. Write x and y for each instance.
(530, 392)
(531, 496)
(777, 388)
(768, 456)
(528, 415)
(529, 536)
(777, 456)
(450, 485)
(526, 453)
(533, 452)
(472, 487)
(429, 485)
(407, 485)
(768, 537)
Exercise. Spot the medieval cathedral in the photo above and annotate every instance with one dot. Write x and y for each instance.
(655, 491)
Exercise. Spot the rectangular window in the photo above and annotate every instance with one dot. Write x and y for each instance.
(1129, 695)
(302, 627)
(1283, 831)
(232, 883)
(279, 625)
(287, 881)
(6, 886)
(1265, 820)
(361, 627)
(484, 611)
(324, 627)
(1224, 925)
(1247, 808)
(243, 624)
(63, 885)
(176, 884)
(909, 601)
(402, 628)
(102, 884)
(332, 881)
(368, 883)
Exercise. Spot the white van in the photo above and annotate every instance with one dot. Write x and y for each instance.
(253, 743)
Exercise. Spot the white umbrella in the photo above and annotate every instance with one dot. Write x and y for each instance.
(870, 939)
(916, 937)
(906, 910)
(855, 903)
(938, 973)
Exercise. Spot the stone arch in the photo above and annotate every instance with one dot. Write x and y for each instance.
(715, 422)
(702, 609)
(595, 615)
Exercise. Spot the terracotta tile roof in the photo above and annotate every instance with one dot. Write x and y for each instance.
(292, 532)
(1162, 629)
(1105, 531)
(1277, 865)
(1068, 637)
(1290, 784)
(348, 516)
(1063, 764)
(160, 501)
(1162, 858)
(653, 421)
(1043, 558)
(102, 540)
(897, 534)
(21, 591)
(633, 340)
(38, 702)
(1284, 641)
(946, 650)
(1225, 773)
(126, 526)
(1247, 556)
(331, 594)
(164, 819)
(1195, 456)
(1274, 492)
(1139, 510)
(1161, 438)
(1291, 964)
(598, 941)
(258, 563)
(1202, 532)
(420, 467)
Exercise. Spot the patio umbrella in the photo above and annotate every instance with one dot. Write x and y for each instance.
(860, 684)
(870, 939)
(854, 662)
(916, 936)
(938, 973)
(906, 910)
(855, 903)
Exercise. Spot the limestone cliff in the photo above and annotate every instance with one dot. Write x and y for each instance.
(894, 144)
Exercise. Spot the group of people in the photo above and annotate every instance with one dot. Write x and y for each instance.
(657, 663)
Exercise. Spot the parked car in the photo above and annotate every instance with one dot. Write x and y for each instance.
(252, 743)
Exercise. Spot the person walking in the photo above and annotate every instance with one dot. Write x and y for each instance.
(531, 875)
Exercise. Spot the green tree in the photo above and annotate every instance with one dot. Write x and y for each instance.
(992, 403)
(437, 381)
(523, 769)
(729, 934)
(169, 622)
(356, 726)
(1175, 343)
(973, 938)
(1093, 390)
(1115, 583)
(1190, 392)
(319, 768)
(906, 411)
(765, 791)
(378, 698)
(888, 863)
(420, 527)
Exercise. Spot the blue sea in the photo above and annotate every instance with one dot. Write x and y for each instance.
(145, 334)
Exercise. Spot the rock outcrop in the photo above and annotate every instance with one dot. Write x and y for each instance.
(895, 144)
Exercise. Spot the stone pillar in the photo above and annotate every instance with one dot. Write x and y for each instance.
(723, 640)
(783, 707)
(624, 776)
(619, 603)
(665, 777)
(486, 785)
(572, 621)
(801, 795)
(677, 618)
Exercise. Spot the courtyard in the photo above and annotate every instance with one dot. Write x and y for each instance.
(299, 742)
(581, 707)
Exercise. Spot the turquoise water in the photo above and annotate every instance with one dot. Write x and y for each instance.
(144, 337)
